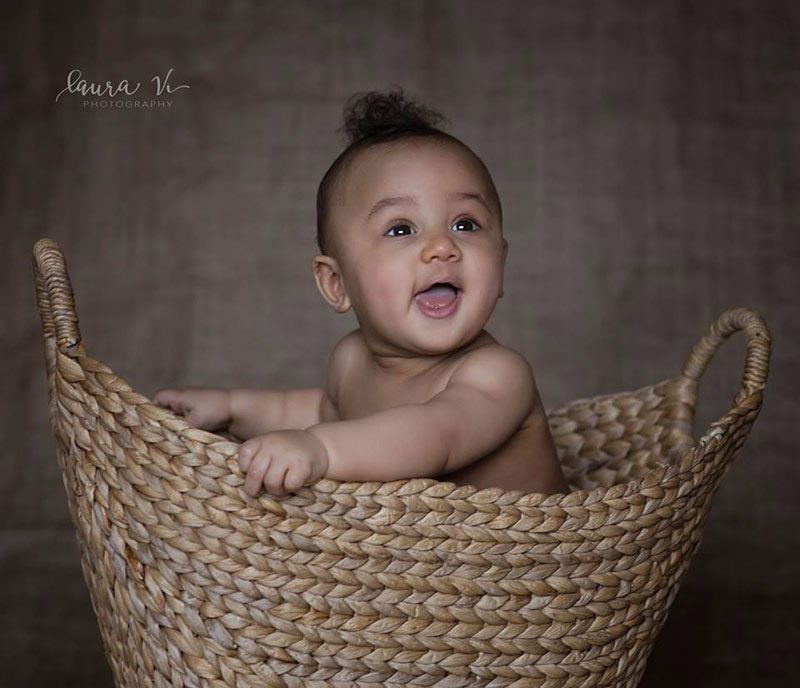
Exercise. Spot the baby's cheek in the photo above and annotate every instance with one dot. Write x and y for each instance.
(382, 295)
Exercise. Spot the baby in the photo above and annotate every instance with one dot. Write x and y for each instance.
(409, 227)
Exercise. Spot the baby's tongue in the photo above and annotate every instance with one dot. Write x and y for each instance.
(438, 296)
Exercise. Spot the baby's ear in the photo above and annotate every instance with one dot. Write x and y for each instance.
(328, 277)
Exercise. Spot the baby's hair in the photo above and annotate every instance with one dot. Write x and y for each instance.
(383, 116)
(371, 118)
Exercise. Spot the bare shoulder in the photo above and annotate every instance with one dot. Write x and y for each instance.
(498, 371)
(347, 350)
(344, 355)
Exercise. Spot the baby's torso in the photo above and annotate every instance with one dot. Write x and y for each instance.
(361, 390)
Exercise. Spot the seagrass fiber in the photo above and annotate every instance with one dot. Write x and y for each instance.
(413, 582)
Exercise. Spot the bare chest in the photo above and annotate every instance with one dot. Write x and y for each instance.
(512, 465)
(526, 460)
(363, 391)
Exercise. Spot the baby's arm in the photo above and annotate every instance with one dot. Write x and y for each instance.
(256, 412)
(485, 401)
(249, 413)
(245, 413)
(259, 411)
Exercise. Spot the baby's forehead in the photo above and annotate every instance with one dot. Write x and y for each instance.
(388, 153)
(396, 165)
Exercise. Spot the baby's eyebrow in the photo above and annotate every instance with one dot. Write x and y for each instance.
(469, 195)
(392, 200)
(410, 200)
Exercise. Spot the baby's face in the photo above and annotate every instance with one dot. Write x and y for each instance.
(407, 215)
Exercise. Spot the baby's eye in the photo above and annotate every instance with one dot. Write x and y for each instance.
(404, 228)
(467, 221)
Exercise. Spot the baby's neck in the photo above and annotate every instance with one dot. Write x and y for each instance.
(408, 365)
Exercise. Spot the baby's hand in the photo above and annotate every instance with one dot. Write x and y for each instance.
(283, 461)
(204, 408)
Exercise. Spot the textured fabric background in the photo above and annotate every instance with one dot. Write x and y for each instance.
(646, 154)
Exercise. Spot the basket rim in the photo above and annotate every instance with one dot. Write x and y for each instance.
(432, 488)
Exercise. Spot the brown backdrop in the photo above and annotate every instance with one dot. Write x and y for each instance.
(646, 155)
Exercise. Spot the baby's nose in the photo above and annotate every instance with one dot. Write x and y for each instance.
(440, 246)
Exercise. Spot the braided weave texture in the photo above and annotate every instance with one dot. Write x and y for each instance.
(417, 582)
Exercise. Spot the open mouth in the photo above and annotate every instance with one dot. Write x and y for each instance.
(439, 300)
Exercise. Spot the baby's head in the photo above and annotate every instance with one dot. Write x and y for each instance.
(404, 206)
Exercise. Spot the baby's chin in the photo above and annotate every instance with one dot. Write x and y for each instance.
(431, 338)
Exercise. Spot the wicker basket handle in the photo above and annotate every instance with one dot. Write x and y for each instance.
(54, 295)
(758, 341)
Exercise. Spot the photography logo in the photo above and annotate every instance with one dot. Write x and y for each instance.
(123, 94)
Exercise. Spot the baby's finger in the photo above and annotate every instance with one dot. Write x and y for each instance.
(246, 453)
(295, 478)
(255, 474)
(274, 477)
(168, 398)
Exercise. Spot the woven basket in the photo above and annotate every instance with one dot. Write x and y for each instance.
(417, 582)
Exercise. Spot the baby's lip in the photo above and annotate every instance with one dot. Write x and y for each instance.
(441, 279)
